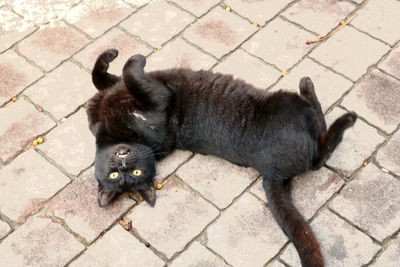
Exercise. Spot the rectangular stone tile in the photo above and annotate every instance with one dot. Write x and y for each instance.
(246, 233)
(118, 248)
(256, 10)
(392, 63)
(216, 179)
(341, 244)
(310, 191)
(358, 143)
(319, 16)
(168, 165)
(350, 52)
(371, 201)
(251, 69)
(71, 144)
(280, 43)
(219, 32)
(179, 54)
(26, 184)
(20, 123)
(177, 218)
(376, 98)
(329, 86)
(380, 19)
(4, 229)
(157, 22)
(15, 75)
(63, 90)
(12, 29)
(388, 156)
(39, 242)
(198, 255)
(197, 7)
(390, 257)
(115, 38)
(51, 44)
(77, 206)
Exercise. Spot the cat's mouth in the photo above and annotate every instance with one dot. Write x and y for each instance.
(122, 153)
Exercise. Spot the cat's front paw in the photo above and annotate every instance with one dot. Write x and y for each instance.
(109, 55)
(136, 61)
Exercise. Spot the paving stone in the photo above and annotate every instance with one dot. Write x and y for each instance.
(370, 201)
(77, 206)
(329, 86)
(12, 28)
(350, 52)
(219, 32)
(380, 19)
(115, 38)
(358, 143)
(216, 179)
(280, 43)
(389, 156)
(392, 63)
(4, 229)
(246, 233)
(20, 123)
(168, 165)
(157, 22)
(390, 256)
(275, 264)
(256, 10)
(15, 75)
(176, 219)
(197, 7)
(198, 255)
(51, 44)
(179, 54)
(26, 184)
(96, 17)
(252, 69)
(341, 244)
(118, 248)
(39, 242)
(309, 191)
(63, 90)
(319, 16)
(71, 144)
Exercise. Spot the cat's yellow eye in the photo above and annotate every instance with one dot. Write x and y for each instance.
(113, 175)
(137, 172)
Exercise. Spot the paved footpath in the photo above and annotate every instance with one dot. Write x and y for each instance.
(209, 212)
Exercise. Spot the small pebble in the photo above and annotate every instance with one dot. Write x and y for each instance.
(127, 228)
(384, 170)
(40, 109)
(342, 22)
(121, 222)
(159, 186)
(147, 244)
(365, 164)
(255, 24)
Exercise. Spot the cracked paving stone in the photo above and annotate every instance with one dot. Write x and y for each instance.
(177, 217)
(218, 180)
(77, 206)
(168, 165)
(376, 98)
(157, 22)
(39, 242)
(310, 191)
(371, 201)
(219, 32)
(15, 75)
(246, 234)
(63, 90)
(280, 43)
(359, 142)
(4, 229)
(341, 244)
(196, 7)
(390, 256)
(388, 156)
(392, 63)
(40, 181)
(20, 123)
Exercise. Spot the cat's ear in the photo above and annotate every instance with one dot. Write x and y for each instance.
(149, 195)
(105, 198)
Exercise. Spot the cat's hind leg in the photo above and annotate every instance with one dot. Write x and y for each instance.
(100, 77)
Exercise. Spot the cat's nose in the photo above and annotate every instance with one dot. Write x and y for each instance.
(123, 164)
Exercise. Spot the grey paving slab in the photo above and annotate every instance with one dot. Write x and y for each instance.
(197, 7)
(350, 52)
(15, 75)
(118, 248)
(4, 229)
(388, 156)
(219, 32)
(370, 201)
(20, 123)
(376, 98)
(341, 244)
(63, 90)
(280, 43)
(168, 165)
(392, 63)
(390, 257)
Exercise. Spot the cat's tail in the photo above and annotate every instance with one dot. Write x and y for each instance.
(291, 221)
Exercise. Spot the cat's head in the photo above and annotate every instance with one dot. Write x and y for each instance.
(124, 168)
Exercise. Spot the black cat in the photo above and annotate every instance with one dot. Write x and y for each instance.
(280, 134)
